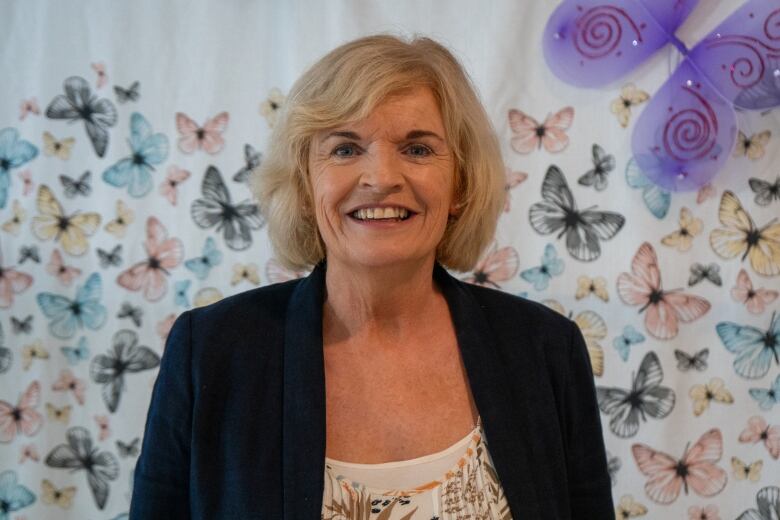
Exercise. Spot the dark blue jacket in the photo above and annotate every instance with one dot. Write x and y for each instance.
(236, 426)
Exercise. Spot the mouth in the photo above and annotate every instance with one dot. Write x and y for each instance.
(382, 214)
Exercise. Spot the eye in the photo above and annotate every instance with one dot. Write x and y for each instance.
(345, 150)
(418, 150)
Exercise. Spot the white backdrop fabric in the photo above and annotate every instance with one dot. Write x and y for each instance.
(203, 58)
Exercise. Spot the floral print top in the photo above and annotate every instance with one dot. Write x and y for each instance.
(465, 486)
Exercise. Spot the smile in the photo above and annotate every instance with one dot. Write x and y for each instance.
(380, 214)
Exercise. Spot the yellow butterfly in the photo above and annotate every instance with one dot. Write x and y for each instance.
(13, 224)
(741, 236)
(593, 328)
(628, 508)
(61, 149)
(682, 239)
(58, 414)
(587, 285)
(58, 497)
(206, 296)
(70, 230)
(753, 146)
(715, 390)
(630, 96)
(743, 471)
(245, 272)
(124, 217)
(33, 351)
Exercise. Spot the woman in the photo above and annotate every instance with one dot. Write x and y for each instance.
(379, 386)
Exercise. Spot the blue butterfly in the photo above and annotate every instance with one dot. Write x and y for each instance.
(624, 342)
(755, 348)
(202, 265)
(180, 296)
(551, 266)
(14, 152)
(76, 354)
(13, 496)
(148, 150)
(767, 398)
(67, 315)
(656, 198)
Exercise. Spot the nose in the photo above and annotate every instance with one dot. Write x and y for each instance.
(384, 172)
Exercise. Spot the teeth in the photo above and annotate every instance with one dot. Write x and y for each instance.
(380, 213)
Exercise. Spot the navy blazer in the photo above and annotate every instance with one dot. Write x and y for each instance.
(236, 426)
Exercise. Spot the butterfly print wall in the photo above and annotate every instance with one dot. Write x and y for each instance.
(124, 200)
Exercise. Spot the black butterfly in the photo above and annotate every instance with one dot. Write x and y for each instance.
(135, 313)
(6, 356)
(29, 253)
(700, 272)
(697, 361)
(646, 397)
(78, 103)
(110, 259)
(253, 160)
(80, 454)
(767, 498)
(583, 229)
(128, 450)
(216, 209)
(126, 356)
(22, 326)
(765, 192)
(75, 187)
(130, 93)
(602, 165)
(613, 466)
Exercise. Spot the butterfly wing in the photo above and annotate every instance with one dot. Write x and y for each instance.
(753, 358)
(704, 476)
(105, 467)
(765, 255)
(555, 139)
(655, 198)
(549, 216)
(526, 138)
(664, 484)
(188, 130)
(208, 211)
(212, 141)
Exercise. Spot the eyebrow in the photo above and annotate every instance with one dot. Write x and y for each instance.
(413, 134)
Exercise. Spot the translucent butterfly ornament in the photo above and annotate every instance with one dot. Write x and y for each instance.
(688, 130)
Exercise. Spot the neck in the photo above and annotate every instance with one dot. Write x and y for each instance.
(385, 303)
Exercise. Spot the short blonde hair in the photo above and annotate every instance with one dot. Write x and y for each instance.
(346, 85)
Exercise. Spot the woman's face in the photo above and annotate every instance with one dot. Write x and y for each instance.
(383, 186)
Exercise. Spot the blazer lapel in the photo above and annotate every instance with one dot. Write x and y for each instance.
(504, 414)
(303, 401)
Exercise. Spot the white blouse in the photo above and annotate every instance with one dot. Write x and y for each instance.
(459, 482)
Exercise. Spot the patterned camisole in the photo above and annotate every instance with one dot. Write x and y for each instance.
(459, 482)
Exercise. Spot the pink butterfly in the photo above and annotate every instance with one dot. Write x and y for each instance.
(27, 183)
(164, 326)
(65, 274)
(512, 180)
(69, 382)
(21, 417)
(664, 308)
(100, 70)
(105, 430)
(705, 192)
(754, 299)
(29, 451)
(169, 187)
(28, 106)
(276, 273)
(696, 469)
(208, 137)
(759, 430)
(11, 282)
(530, 135)
(498, 265)
(149, 275)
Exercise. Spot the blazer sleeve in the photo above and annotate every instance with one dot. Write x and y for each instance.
(589, 482)
(161, 481)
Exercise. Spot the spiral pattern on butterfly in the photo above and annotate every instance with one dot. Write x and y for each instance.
(600, 30)
(691, 133)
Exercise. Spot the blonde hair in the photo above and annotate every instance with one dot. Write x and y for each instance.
(346, 85)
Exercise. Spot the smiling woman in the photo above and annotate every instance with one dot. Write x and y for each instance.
(379, 386)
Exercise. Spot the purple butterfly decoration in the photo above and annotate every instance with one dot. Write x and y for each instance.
(688, 130)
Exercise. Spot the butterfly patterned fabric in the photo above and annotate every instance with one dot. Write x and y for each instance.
(125, 200)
